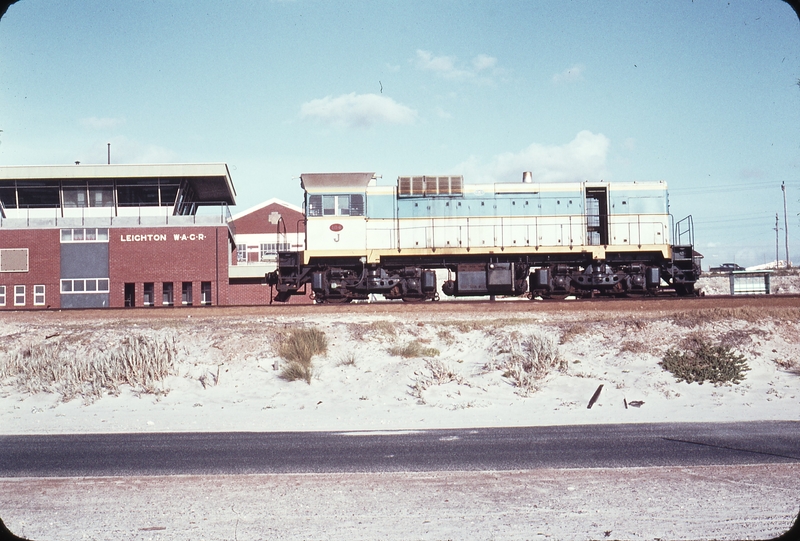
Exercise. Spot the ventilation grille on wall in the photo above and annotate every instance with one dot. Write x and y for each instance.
(13, 260)
(429, 186)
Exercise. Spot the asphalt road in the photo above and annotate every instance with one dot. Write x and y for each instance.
(481, 449)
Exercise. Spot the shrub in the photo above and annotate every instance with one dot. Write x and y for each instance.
(699, 361)
(413, 349)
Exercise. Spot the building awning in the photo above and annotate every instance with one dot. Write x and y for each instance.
(204, 184)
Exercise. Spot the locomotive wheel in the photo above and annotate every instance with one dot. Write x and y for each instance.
(684, 290)
(335, 299)
(338, 300)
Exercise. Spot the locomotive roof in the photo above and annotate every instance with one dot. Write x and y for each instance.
(319, 181)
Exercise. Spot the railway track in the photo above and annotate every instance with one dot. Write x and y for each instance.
(663, 305)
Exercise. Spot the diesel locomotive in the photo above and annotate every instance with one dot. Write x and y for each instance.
(512, 239)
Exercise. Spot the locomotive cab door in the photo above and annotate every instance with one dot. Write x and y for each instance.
(596, 216)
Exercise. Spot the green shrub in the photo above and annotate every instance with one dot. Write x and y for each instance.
(699, 361)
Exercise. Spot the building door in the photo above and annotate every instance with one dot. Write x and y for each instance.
(596, 216)
(130, 295)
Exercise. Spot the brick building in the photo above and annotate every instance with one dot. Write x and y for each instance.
(91, 236)
(261, 232)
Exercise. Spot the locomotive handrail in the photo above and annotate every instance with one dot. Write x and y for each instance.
(537, 232)
(688, 230)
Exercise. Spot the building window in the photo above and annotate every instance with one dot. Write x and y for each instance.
(74, 197)
(205, 293)
(167, 295)
(19, 295)
(38, 295)
(186, 293)
(101, 196)
(2, 295)
(87, 234)
(241, 253)
(149, 293)
(84, 285)
(272, 248)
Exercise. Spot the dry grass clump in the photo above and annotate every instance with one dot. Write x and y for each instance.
(380, 328)
(571, 331)
(789, 365)
(695, 318)
(529, 360)
(700, 361)
(347, 359)
(413, 349)
(72, 368)
(437, 373)
(298, 348)
(634, 346)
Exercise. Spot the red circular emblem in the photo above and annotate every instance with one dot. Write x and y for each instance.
(336, 227)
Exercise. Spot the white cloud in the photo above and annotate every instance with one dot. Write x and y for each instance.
(483, 62)
(426, 61)
(583, 158)
(104, 123)
(441, 113)
(445, 66)
(570, 75)
(358, 110)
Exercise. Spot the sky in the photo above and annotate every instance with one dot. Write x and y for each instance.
(704, 95)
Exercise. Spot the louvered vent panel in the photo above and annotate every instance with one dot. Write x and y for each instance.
(404, 185)
(418, 186)
(456, 185)
(444, 185)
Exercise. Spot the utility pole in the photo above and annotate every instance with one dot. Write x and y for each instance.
(785, 224)
(777, 256)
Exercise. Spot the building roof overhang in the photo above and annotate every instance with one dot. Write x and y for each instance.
(211, 182)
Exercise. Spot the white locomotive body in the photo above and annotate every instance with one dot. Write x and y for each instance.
(579, 238)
